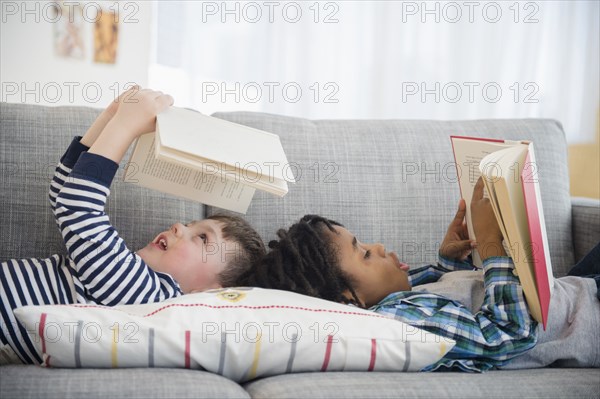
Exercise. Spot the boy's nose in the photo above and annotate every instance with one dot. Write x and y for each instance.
(177, 229)
(379, 249)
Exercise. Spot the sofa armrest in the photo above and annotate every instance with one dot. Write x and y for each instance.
(586, 225)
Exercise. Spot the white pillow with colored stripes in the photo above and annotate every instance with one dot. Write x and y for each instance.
(240, 333)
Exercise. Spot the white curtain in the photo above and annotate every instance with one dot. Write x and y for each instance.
(388, 59)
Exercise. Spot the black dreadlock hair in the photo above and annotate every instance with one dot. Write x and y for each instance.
(304, 260)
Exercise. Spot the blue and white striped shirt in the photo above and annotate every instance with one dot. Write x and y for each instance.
(500, 331)
(99, 268)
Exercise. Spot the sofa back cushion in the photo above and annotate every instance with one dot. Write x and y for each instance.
(394, 181)
(33, 138)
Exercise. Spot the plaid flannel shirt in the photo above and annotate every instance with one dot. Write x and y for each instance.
(500, 331)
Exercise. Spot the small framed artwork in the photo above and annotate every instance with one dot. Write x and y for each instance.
(68, 31)
(106, 37)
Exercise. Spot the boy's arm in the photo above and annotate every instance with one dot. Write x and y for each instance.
(78, 146)
(111, 273)
(500, 331)
(432, 273)
(64, 167)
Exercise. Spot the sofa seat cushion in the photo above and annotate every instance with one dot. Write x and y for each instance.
(536, 383)
(37, 382)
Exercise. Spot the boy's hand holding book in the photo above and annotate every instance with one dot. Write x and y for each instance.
(102, 120)
(487, 231)
(456, 244)
(135, 115)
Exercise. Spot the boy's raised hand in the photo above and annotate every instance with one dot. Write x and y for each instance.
(134, 116)
(136, 112)
(102, 120)
(112, 108)
(485, 225)
(456, 244)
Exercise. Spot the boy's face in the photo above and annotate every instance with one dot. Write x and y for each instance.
(193, 254)
(376, 273)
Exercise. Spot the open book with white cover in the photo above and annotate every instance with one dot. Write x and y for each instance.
(209, 160)
(511, 183)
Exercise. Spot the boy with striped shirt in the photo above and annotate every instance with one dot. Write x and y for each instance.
(99, 268)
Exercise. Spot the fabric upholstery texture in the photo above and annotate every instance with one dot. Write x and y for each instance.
(33, 382)
(539, 383)
(586, 225)
(394, 181)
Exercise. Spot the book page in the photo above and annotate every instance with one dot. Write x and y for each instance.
(193, 138)
(210, 189)
(493, 197)
(248, 176)
(468, 153)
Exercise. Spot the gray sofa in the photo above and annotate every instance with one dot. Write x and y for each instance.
(390, 181)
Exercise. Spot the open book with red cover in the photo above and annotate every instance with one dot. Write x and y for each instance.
(511, 183)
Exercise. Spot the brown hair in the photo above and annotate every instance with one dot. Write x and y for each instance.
(250, 248)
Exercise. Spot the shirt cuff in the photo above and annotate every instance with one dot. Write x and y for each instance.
(499, 270)
(72, 154)
(96, 168)
(455, 264)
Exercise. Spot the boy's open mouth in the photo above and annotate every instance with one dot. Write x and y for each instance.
(400, 265)
(161, 242)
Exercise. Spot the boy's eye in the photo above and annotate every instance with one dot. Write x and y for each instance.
(368, 254)
(203, 237)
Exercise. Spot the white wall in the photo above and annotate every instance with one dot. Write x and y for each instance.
(31, 72)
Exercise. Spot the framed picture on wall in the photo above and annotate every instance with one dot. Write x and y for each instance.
(106, 37)
(68, 31)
